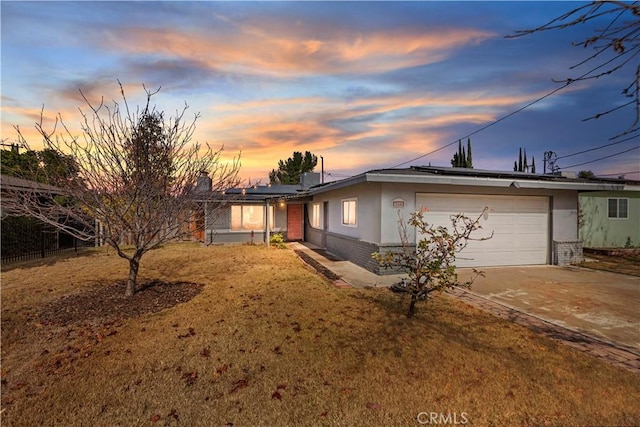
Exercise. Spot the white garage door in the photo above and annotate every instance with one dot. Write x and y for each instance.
(520, 227)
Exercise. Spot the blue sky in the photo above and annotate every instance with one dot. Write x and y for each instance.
(366, 85)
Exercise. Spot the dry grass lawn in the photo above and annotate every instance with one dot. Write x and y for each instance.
(268, 342)
(625, 264)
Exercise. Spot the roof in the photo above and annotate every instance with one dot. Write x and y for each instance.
(8, 182)
(255, 193)
(479, 177)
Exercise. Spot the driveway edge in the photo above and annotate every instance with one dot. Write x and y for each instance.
(609, 352)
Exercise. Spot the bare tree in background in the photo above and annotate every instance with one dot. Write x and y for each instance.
(136, 175)
(615, 46)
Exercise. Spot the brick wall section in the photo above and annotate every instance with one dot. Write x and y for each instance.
(567, 252)
(313, 235)
(390, 248)
(354, 250)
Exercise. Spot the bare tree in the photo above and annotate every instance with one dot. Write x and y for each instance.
(430, 265)
(615, 46)
(136, 174)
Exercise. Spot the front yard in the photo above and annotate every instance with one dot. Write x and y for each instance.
(622, 263)
(265, 341)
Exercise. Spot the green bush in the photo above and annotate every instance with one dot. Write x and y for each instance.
(277, 240)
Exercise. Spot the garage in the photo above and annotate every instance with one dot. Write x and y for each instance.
(520, 226)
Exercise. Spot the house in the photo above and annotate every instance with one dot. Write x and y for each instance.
(534, 218)
(241, 215)
(611, 219)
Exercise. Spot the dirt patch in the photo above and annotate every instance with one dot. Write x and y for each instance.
(321, 269)
(107, 302)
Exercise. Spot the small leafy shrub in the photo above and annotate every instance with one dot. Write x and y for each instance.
(628, 244)
(430, 264)
(277, 240)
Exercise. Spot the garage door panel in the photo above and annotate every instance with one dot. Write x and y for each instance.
(520, 226)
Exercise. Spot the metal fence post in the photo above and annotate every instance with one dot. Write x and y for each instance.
(42, 240)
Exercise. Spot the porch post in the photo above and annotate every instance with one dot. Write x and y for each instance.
(267, 233)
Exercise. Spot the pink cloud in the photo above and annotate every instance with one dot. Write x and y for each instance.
(286, 53)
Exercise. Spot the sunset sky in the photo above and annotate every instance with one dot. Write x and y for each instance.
(366, 85)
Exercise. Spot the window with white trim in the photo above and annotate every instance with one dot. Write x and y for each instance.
(618, 208)
(349, 212)
(316, 215)
(250, 217)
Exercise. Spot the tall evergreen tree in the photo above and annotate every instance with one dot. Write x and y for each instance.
(515, 166)
(289, 171)
(454, 161)
(520, 161)
(462, 159)
(533, 165)
(525, 166)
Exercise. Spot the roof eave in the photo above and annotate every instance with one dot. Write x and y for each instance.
(491, 182)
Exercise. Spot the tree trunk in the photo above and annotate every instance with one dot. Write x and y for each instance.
(134, 265)
(412, 306)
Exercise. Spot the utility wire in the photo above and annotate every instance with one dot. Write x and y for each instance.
(489, 125)
(566, 83)
(602, 158)
(597, 148)
(617, 174)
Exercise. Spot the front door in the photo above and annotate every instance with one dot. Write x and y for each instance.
(294, 222)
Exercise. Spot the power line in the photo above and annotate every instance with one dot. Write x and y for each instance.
(597, 148)
(566, 83)
(618, 174)
(601, 158)
(490, 124)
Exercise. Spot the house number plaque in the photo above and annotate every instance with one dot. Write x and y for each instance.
(398, 204)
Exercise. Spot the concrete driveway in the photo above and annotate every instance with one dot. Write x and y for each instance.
(601, 304)
(596, 303)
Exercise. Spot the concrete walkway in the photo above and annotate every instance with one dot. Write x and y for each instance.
(545, 299)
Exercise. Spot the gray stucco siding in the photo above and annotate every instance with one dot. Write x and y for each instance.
(368, 211)
(378, 228)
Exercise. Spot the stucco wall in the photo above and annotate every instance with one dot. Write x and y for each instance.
(378, 217)
(368, 211)
(599, 231)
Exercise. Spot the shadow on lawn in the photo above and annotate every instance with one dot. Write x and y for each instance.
(443, 322)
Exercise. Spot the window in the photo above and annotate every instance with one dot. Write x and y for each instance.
(250, 217)
(316, 215)
(618, 208)
(349, 211)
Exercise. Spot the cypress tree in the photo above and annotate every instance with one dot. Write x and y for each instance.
(460, 156)
(525, 167)
(463, 159)
(515, 166)
(533, 165)
(469, 159)
(520, 161)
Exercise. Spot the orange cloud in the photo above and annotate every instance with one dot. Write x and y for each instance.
(255, 51)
